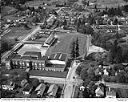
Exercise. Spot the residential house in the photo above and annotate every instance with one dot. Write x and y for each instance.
(99, 92)
(40, 89)
(27, 89)
(111, 94)
(52, 90)
(8, 85)
(106, 72)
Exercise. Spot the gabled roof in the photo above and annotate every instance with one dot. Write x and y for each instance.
(99, 91)
(52, 90)
(111, 93)
(41, 89)
(28, 87)
(41, 86)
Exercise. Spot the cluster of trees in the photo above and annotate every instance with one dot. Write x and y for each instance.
(118, 74)
(90, 72)
(126, 0)
(85, 2)
(125, 8)
(118, 53)
(87, 71)
(78, 7)
(81, 27)
(13, 2)
(118, 50)
(71, 2)
(113, 11)
(75, 49)
(5, 46)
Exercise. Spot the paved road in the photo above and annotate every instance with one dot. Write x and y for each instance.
(19, 44)
(69, 89)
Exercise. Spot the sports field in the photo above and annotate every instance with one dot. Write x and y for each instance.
(65, 41)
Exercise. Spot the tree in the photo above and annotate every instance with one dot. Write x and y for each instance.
(112, 78)
(11, 64)
(73, 50)
(77, 47)
(126, 0)
(86, 93)
(120, 78)
(126, 77)
(91, 73)
(35, 82)
(85, 29)
(24, 75)
(78, 70)
(115, 21)
(30, 65)
(125, 8)
(84, 74)
(84, 2)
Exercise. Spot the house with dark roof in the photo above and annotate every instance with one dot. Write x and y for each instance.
(27, 89)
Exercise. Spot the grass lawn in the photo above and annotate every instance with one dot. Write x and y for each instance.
(40, 73)
(48, 73)
(15, 32)
(64, 43)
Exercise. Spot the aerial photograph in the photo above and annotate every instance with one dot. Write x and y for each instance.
(64, 49)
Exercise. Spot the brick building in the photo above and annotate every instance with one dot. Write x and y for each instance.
(34, 60)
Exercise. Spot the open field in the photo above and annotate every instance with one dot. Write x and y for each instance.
(64, 43)
(15, 33)
(40, 73)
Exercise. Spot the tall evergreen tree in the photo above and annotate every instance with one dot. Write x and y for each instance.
(77, 48)
(73, 50)
(11, 64)
(30, 65)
